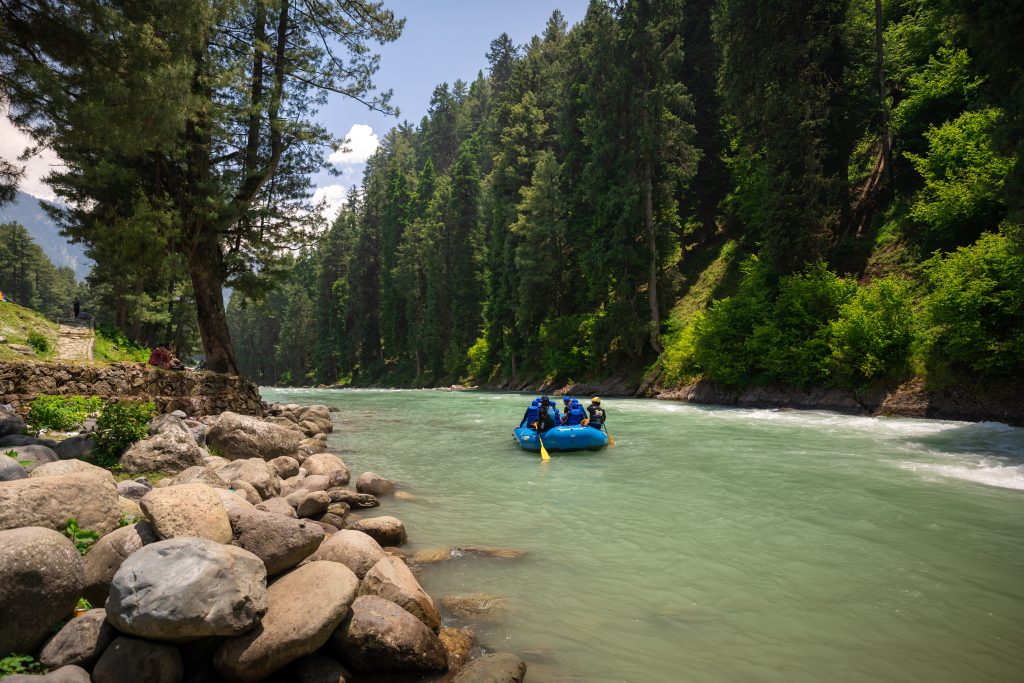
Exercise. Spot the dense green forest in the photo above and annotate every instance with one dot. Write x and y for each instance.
(800, 193)
(28, 276)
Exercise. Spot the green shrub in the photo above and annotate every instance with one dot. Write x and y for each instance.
(82, 538)
(873, 335)
(975, 310)
(20, 664)
(677, 359)
(476, 359)
(567, 345)
(121, 424)
(61, 413)
(39, 342)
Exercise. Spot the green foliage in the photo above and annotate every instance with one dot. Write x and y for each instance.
(975, 312)
(84, 604)
(128, 520)
(477, 359)
(20, 664)
(121, 424)
(873, 335)
(61, 413)
(113, 346)
(964, 174)
(936, 92)
(29, 278)
(40, 342)
(82, 538)
(567, 346)
(677, 360)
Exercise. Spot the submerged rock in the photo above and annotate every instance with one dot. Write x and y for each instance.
(374, 484)
(500, 667)
(458, 643)
(489, 551)
(475, 605)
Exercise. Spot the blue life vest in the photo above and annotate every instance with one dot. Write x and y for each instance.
(576, 416)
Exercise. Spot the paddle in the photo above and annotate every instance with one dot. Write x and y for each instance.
(544, 457)
(610, 439)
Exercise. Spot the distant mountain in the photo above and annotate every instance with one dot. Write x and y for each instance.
(28, 211)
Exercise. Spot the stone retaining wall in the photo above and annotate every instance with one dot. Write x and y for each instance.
(196, 393)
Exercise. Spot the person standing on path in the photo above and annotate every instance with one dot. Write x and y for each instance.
(78, 307)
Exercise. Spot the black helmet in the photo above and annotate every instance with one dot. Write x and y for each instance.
(544, 400)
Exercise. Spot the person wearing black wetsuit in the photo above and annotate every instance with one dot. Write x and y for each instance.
(547, 418)
(597, 415)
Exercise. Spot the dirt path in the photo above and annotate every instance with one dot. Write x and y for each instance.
(75, 341)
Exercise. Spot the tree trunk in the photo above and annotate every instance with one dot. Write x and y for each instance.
(883, 104)
(208, 284)
(652, 276)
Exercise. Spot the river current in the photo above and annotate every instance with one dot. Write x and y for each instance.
(713, 544)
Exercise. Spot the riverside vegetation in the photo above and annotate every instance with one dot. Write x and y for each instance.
(283, 583)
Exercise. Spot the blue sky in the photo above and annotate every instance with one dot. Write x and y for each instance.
(443, 41)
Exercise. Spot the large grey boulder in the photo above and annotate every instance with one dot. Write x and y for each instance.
(168, 422)
(277, 506)
(41, 578)
(188, 588)
(313, 505)
(25, 440)
(130, 660)
(107, 554)
(133, 490)
(10, 423)
(187, 510)
(80, 447)
(327, 464)
(284, 466)
(386, 530)
(199, 474)
(500, 667)
(281, 542)
(374, 484)
(65, 674)
(80, 642)
(11, 469)
(392, 580)
(238, 437)
(168, 452)
(354, 549)
(91, 498)
(51, 469)
(381, 637)
(246, 490)
(306, 606)
(32, 456)
(256, 472)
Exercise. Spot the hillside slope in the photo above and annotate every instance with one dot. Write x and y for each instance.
(28, 211)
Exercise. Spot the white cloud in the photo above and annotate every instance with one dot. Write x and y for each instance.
(12, 143)
(333, 197)
(360, 144)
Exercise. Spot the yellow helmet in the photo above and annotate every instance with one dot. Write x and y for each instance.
(596, 399)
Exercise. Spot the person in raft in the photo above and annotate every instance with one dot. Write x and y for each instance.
(575, 415)
(597, 415)
(546, 416)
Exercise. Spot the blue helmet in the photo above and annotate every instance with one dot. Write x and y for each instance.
(566, 399)
(535, 402)
(575, 403)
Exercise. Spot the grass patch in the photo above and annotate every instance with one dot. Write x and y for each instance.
(111, 346)
(22, 325)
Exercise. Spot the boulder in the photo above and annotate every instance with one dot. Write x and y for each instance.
(316, 482)
(79, 447)
(41, 579)
(199, 474)
(168, 422)
(68, 467)
(488, 551)
(306, 606)
(215, 462)
(188, 588)
(313, 505)
(281, 542)
(477, 606)
(26, 440)
(332, 519)
(90, 498)
(10, 469)
(282, 421)
(500, 667)
(354, 500)
(130, 509)
(65, 674)
(247, 490)
(374, 484)
(169, 452)
(278, 506)
(328, 528)
(381, 637)
(130, 660)
(234, 501)
(295, 497)
(284, 466)
(354, 549)
(316, 411)
(239, 437)
(386, 530)
(326, 463)
(80, 642)
(318, 668)
(107, 554)
(32, 456)
(458, 643)
(187, 510)
(392, 580)
(255, 471)
(11, 423)
(133, 490)
(198, 430)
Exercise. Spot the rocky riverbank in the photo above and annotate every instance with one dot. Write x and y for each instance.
(241, 564)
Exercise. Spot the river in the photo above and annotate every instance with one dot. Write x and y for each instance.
(713, 544)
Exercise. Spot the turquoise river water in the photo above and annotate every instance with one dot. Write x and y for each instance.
(713, 544)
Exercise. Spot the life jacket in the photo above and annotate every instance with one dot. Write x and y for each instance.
(576, 416)
(532, 413)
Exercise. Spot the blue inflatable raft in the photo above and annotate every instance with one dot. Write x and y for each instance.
(561, 439)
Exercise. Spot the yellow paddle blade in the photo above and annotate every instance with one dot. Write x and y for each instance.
(610, 439)
(543, 451)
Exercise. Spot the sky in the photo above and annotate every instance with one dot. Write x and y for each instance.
(443, 41)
